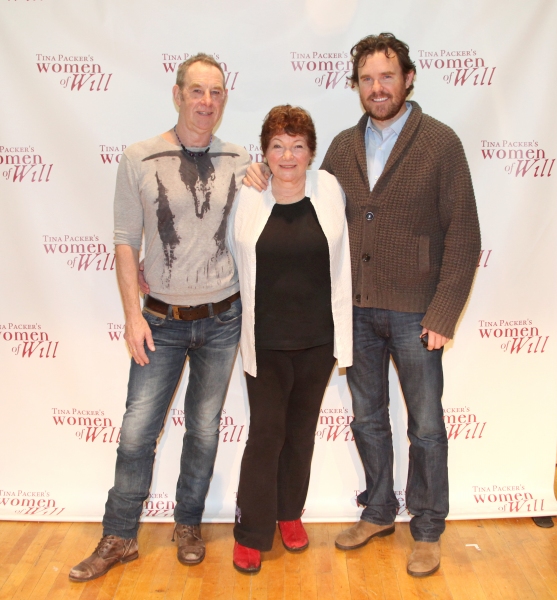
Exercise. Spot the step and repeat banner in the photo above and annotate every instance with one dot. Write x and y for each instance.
(81, 81)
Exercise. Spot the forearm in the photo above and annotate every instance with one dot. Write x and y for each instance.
(127, 268)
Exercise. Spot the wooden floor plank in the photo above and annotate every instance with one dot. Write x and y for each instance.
(293, 575)
(520, 539)
(34, 575)
(46, 581)
(25, 557)
(163, 554)
(14, 555)
(274, 564)
(223, 539)
(217, 580)
(307, 575)
(152, 549)
(515, 560)
(515, 576)
(355, 565)
(339, 571)
(211, 564)
(322, 561)
(457, 568)
(491, 562)
(241, 590)
(10, 532)
(43, 555)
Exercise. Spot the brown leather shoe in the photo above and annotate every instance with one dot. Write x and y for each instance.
(359, 534)
(191, 547)
(110, 551)
(425, 559)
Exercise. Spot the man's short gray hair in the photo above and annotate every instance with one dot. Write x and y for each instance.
(199, 57)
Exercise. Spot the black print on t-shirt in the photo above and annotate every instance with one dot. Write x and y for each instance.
(198, 176)
(168, 234)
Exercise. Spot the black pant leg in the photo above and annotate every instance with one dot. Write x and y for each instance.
(312, 371)
(268, 395)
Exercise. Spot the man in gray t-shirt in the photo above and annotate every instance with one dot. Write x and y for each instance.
(176, 190)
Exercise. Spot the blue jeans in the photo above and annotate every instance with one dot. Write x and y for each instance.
(211, 344)
(378, 335)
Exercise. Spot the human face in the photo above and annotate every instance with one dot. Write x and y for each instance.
(382, 87)
(201, 100)
(288, 157)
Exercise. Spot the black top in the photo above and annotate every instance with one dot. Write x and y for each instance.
(293, 282)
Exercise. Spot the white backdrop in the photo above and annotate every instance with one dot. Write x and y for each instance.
(80, 81)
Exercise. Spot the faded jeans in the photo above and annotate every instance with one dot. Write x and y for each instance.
(378, 335)
(211, 345)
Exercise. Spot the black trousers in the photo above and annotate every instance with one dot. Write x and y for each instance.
(285, 399)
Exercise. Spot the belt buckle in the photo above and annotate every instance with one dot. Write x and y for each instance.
(176, 311)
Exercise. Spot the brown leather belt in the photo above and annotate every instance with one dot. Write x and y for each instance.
(190, 313)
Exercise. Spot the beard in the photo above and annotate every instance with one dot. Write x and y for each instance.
(384, 111)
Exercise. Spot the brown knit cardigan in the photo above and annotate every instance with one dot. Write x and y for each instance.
(418, 250)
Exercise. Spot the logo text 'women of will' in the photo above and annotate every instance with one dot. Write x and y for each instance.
(77, 73)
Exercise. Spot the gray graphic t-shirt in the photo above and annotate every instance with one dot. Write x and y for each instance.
(181, 203)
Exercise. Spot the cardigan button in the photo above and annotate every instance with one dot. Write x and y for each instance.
(366, 257)
(370, 216)
(358, 298)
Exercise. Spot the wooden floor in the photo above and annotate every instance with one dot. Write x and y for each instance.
(500, 558)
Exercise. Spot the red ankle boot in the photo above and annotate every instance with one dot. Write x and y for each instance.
(246, 560)
(294, 536)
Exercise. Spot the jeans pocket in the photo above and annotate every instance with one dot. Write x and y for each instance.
(152, 319)
(230, 315)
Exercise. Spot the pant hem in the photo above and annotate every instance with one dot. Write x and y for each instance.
(362, 518)
(124, 536)
(254, 545)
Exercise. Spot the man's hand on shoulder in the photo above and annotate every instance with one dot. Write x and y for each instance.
(137, 334)
(435, 341)
(257, 176)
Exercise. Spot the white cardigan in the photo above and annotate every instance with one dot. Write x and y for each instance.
(247, 220)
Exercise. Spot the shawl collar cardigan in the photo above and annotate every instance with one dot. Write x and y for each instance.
(419, 250)
(248, 217)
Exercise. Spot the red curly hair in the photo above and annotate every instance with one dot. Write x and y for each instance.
(292, 120)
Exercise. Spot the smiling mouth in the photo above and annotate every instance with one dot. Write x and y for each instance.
(382, 99)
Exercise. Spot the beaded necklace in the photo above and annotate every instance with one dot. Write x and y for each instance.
(189, 152)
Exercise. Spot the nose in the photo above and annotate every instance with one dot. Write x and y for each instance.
(207, 97)
(287, 153)
(376, 87)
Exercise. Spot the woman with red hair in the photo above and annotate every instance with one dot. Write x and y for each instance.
(290, 243)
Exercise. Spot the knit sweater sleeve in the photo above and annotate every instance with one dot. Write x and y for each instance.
(459, 219)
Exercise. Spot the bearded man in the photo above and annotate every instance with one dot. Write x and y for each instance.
(414, 244)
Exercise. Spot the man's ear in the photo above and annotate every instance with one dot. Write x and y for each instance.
(177, 95)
